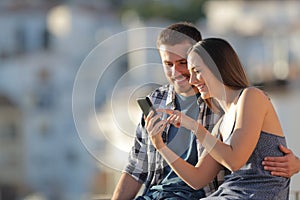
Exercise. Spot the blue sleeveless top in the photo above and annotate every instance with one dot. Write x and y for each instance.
(252, 181)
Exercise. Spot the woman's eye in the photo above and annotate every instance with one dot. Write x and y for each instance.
(197, 71)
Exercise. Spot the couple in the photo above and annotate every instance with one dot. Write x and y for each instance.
(246, 129)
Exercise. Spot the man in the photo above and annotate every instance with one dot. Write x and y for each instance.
(146, 166)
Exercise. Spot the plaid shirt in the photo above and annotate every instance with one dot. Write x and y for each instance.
(145, 163)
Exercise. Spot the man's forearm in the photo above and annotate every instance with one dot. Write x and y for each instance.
(127, 188)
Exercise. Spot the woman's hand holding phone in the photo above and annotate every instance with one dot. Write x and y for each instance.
(155, 126)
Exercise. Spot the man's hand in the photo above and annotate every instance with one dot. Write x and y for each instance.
(285, 166)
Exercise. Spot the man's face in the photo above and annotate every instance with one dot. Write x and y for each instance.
(175, 67)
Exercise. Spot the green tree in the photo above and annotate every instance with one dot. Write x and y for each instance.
(189, 10)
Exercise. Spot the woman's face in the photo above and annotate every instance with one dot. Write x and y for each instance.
(200, 76)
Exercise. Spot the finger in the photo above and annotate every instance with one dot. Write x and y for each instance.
(276, 159)
(284, 149)
(177, 121)
(149, 119)
(161, 110)
(151, 114)
(168, 111)
(275, 163)
(176, 124)
(177, 116)
(174, 120)
(282, 174)
(278, 171)
(275, 169)
(154, 119)
(171, 119)
(158, 128)
(161, 127)
(274, 166)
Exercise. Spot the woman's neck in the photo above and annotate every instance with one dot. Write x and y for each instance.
(230, 98)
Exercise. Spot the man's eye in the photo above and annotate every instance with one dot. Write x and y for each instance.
(183, 62)
(169, 64)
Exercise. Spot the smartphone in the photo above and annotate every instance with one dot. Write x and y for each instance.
(146, 105)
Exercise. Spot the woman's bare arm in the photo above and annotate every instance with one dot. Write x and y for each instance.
(195, 176)
(251, 111)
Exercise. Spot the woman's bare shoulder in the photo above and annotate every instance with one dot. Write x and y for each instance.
(253, 92)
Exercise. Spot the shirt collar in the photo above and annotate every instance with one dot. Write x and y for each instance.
(170, 101)
(200, 100)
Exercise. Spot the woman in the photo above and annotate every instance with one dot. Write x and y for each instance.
(248, 131)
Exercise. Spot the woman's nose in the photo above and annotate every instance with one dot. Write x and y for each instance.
(192, 78)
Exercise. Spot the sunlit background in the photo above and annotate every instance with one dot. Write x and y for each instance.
(45, 43)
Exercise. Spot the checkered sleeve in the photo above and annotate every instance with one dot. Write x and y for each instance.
(137, 165)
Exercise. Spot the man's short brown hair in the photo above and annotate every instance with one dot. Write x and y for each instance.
(178, 33)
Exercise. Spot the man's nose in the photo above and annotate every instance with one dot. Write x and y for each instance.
(176, 70)
(179, 67)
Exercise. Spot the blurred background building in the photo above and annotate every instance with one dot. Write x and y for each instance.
(45, 46)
